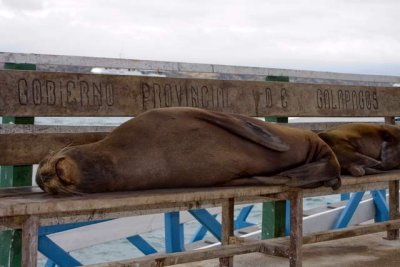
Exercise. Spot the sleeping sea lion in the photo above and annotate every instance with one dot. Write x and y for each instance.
(189, 147)
(363, 148)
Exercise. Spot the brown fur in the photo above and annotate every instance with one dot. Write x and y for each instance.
(363, 148)
(188, 147)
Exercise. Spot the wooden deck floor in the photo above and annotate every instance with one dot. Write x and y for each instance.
(363, 251)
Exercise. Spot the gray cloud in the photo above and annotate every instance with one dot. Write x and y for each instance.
(349, 36)
(22, 5)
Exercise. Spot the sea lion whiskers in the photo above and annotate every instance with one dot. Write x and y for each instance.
(66, 190)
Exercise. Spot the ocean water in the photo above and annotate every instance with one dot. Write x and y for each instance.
(121, 248)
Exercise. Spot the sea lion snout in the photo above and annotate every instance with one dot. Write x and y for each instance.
(54, 174)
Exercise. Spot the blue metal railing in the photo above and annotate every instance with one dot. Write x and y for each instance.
(174, 235)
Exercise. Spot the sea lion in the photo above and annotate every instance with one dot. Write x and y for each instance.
(363, 148)
(189, 147)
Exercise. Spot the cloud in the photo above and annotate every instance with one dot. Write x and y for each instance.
(319, 35)
(23, 5)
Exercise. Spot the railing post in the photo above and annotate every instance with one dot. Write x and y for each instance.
(394, 212)
(296, 229)
(227, 229)
(30, 229)
(10, 241)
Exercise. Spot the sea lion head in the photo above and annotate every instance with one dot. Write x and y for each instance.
(58, 173)
(75, 170)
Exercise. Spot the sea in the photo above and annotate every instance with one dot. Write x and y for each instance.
(121, 248)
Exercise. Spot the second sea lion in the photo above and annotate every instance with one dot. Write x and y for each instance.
(363, 148)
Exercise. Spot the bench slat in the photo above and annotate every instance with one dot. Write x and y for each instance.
(28, 144)
(191, 68)
(39, 129)
(34, 93)
(197, 255)
(45, 204)
(27, 149)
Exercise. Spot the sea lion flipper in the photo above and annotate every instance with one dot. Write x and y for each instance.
(312, 175)
(271, 180)
(246, 128)
(357, 163)
(390, 155)
(373, 171)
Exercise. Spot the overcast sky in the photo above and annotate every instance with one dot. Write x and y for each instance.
(338, 35)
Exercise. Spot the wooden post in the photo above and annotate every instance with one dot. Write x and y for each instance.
(30, 241)
(10, 176)
(393, 208)
(296, 229)
(227, 229)
(393, 197)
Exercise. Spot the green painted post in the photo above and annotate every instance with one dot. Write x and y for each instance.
(10, 176)
(273, 215)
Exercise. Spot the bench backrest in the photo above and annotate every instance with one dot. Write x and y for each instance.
(37, 93)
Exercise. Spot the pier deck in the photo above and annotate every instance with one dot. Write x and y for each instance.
(362, 251)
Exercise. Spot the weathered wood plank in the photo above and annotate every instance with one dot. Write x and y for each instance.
(163, 66)
(26, 149)
(42, 203)
(36, 93)
(345, 189)
(191, 256)
(351, 231)
(47, 204)
(30, 241)
(28, 144)
(394, 211)
(296, 229)
(41, 129)
(122, 211)
(227, 229)
(19, 191)
(383, 177)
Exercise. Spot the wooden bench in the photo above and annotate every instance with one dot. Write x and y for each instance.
(35, 93)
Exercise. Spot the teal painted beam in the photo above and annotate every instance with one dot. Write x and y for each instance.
(274, 212)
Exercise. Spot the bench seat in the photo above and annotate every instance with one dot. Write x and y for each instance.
(55, 209)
